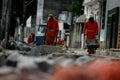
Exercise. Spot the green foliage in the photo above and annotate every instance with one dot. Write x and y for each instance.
(76, 8)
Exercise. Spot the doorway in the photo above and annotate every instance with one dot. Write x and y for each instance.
(112, 28)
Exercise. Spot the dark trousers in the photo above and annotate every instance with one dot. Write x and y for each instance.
(91, 49)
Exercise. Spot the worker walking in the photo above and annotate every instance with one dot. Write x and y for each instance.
(91, 31)
(51, 31)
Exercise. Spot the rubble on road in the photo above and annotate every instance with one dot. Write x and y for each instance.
(15, 45)
(44, 50)
(44, 62)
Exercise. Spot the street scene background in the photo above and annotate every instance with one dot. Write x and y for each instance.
(28, 52)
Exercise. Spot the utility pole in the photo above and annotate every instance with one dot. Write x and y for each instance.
(106, 19)
(25, 4)
(23, 22)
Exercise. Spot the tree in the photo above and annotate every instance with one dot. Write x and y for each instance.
(77, 8)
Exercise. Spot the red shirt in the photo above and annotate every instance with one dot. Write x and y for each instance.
(53, 25)
(91, 30)
(29, 40)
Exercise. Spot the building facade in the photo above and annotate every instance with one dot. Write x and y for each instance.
(92, 6)
(55, 7)
(113, 24)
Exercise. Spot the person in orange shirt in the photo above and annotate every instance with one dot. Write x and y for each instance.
(51, 31)
(91, 30)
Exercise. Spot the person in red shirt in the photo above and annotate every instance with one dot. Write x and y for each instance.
(52, 30)
(60, 41)
(91, 30)
(29, 39)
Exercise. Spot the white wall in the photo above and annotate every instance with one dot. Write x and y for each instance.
(93, 8)
(61, 29)
(96, 11)
(87, 11)
(86, 1)
(28, 23)
(113, 3)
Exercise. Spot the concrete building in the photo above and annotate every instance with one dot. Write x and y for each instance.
(55, 7)
(77, 34)
(113, 24)
(92, 6)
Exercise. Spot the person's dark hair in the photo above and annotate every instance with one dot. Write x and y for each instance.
(91, 20)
